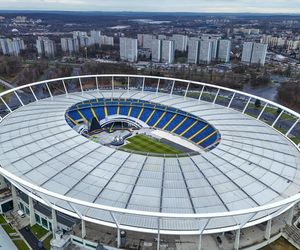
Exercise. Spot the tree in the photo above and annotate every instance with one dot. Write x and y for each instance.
(279, 110)
(257, 103)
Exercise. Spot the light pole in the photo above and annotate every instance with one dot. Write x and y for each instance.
(86, 56)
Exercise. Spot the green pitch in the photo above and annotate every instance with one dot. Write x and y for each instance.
(145, 144)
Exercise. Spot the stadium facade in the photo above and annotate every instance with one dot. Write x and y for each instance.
(242, 169)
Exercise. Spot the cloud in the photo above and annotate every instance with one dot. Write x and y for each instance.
(265, 6)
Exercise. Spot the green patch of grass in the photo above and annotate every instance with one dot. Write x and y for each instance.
(46, 242)
(8, 229)
(2, 220)
(38, 231)
(274, 111)
(280, 244)
(145, 144)
(21, 245)
(296, 140)
(282, 130)
(284, 116)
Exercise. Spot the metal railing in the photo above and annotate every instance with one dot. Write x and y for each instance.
(276, 116)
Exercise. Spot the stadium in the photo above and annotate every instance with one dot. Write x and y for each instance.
(146, 162)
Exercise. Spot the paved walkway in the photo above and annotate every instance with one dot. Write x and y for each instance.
(5, 242)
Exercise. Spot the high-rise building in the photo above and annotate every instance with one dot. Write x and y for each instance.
(95, 37)
(193, 50)
(247, 52)
(254, 53)
(79, 33)
(259, 53)
(291, 44)
(167, 54)
(45, 47)
(224, 50)
(107, 40)
(128, 49)
(69, 45)
(40, 46)
(84, 41)
(12, 46)
(162, 37)
(180, 42)
(64, 44)
(156, 50)
(205, 51)
(140, 38)
(214, 50)
(145, 40)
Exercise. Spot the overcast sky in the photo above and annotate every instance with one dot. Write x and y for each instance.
(260, 6)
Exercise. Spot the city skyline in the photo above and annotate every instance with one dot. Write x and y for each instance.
(215, 6)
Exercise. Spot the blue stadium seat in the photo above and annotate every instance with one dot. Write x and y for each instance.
(136, 107)
(203, 134)
(165, 120)
(124, 109)
(112, 110)
(198, 126)
(146, 113)
(155, 117)
(175, 122)
(74, 115)
(209, 141)
(135, 111)
(188, 122)
(99, 110)
(87, 113)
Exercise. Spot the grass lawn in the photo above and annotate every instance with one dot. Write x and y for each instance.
(2, 89)
(8, 229)
(38, 231)
(143, 143)
(273, 110)
(2, 220)
(280, 244)
(46, 242)
(21, 245)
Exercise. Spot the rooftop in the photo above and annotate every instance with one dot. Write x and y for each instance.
(253, 165)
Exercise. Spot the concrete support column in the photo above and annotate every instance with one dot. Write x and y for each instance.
(14, 198)
(54, 222)
(289, 220)
(83, 229)
(237, 239)
(268, 230)
(118, 237)
(200, 242)
(158, 234)
(31, 211)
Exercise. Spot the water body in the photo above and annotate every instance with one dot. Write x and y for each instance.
(268, 92)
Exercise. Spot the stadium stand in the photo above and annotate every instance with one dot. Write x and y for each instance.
(155, 115)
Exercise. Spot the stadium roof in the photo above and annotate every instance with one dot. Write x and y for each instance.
(253, 164)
